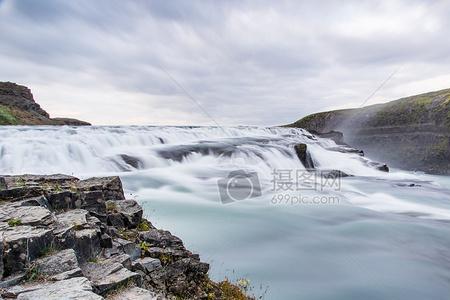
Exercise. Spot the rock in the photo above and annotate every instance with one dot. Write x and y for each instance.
(125, 213)
(137, 293)
(334, 174)
(26, 215)
(302, 153)
(106, 241)
(161, 238)
(146, 264)
(336, 136)
(1, 258)
(12, 280)
(383, 168)
(123, 259)
(108, 275)
(67, 275)
(124, 246)
(111, 187)
(60, 262)
(87, 244)
(73, 218)
(131, 161)
(23, 244)
(75, 288)
(347, 149)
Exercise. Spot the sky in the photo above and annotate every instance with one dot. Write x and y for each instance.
(221, 62)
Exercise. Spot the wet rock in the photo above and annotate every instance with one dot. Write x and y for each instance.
(146, 264)
(75, 288)
(302, 153)
(336, 136)
(334, 174)
(131, 161)
(23, 244)
(125, 213)
(137, 293)
(383, 167)
(60, 262)
(347, 149)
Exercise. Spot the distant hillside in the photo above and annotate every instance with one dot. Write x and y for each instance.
(411, 133)
(17, 107)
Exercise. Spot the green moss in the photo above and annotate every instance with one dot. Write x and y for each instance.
(6, 116)
(14, 222)
(144, 226)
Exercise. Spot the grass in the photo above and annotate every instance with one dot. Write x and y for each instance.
(144, 226)
(14, 222)
(6, 116)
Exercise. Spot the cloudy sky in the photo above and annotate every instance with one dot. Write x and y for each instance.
(244, 62)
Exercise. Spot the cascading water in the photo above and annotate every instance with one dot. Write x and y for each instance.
(387, 237)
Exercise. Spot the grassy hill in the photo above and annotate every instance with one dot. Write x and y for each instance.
(17, 107)
(411, 133)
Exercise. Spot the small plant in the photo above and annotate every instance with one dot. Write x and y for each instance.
(111, 206)
(20, 182)
(93, 260)
(78, 227)
(144, 246)
(47, 251)
(32, 273)
(165, 259)
(14, 222)
(144, 225)
(231, 291)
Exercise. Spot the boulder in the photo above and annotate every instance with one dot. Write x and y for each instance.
(87, 243)
(124, 213)
(302, 153)
(23, 244)
(74, 288)
(146, 264)
(60, 262)
(161, 238)
(111, 187)
(26, 215)
(109, 275)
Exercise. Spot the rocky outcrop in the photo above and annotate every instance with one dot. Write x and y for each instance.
(65, 238)
(410, 133)
(18, 107)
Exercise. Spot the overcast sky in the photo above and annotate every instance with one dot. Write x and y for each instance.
(245, 62)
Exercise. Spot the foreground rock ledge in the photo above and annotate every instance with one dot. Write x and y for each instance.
(65, 238)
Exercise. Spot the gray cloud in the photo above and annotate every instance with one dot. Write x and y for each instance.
(246, 62)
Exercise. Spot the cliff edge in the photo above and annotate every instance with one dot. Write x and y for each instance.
(410, 133)
(18, 107)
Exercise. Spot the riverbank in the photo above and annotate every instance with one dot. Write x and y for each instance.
(71, 238)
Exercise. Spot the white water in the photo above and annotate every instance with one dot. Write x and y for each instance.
(383, 240)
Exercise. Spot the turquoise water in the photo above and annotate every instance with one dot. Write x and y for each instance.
(384, 235)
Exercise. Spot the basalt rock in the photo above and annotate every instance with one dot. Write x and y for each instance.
(302, 153)
(59, 242)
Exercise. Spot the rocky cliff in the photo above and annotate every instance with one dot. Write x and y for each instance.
(17, 107)
(410, 133)
(65, 238)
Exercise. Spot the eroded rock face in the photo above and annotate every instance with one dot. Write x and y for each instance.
(61, 234)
